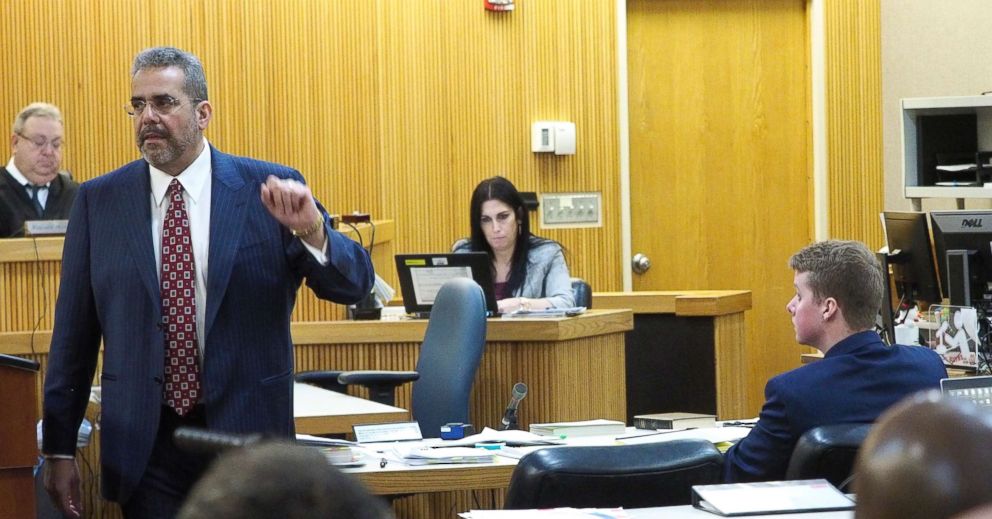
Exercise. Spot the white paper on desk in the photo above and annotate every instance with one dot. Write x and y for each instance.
(712, 434)
(427, 456)
(551, 513)
(492, 435)
(545, 313)
(320, 441)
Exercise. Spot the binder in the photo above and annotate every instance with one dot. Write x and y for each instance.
(771, 497)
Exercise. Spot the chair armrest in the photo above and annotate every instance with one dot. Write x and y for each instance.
(365, 377)
(381, 384)
(322, 379)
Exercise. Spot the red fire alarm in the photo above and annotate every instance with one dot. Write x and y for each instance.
(498, 5)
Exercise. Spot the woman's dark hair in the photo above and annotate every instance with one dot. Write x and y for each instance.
(499, 188)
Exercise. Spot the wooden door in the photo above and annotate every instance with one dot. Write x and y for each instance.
(720, 157)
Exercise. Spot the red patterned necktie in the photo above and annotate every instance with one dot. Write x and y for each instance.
(182, 373)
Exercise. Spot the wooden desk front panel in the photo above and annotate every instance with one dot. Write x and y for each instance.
(28, 291)
(568, 380)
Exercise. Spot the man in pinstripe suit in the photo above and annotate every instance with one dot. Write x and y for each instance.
(256, 233)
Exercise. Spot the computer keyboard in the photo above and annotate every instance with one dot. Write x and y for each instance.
(976, 389)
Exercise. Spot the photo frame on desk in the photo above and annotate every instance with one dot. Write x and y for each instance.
(954, 335)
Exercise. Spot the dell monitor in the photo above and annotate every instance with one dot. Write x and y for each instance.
(963, 243)
(911, 256)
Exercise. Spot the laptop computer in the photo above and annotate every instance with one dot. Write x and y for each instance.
(421, 276)
(976, 389)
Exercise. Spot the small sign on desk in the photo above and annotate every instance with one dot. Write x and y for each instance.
(387, 432)
(45, 227)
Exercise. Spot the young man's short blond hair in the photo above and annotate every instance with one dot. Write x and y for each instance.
(848, 272)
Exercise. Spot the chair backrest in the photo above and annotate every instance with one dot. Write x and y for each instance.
(631, 476)
(449, 356)
(581, 292)
(827, 452)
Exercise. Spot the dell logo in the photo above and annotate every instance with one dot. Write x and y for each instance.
(971, 222)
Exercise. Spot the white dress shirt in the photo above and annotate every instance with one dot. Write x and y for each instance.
(22, 180)
(197, 182)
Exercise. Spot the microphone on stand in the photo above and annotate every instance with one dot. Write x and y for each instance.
(509, 420)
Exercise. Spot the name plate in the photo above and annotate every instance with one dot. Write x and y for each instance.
(387, 432)
(45, 227)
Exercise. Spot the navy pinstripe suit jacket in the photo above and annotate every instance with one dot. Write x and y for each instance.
(110, 292)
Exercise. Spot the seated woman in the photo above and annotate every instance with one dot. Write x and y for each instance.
(528, 271)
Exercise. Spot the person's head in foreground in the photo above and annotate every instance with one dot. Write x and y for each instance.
(279, 480)
(927, 457)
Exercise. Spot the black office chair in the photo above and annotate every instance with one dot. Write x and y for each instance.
(828, 452)
(631, 476)
(449, 358)
(581, 292)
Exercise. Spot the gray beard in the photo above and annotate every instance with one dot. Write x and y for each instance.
(172, 150)
(173, 147)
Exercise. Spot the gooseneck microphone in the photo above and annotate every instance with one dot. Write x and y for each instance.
(510, 415)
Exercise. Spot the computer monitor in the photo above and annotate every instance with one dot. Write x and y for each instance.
(911, 256)
(421, 277)
(963, 243)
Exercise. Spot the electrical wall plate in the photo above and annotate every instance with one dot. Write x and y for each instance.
(563, 210)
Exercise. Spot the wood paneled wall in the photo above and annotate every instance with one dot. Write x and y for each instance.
(854, 119)
(721, 160)
(390, 107)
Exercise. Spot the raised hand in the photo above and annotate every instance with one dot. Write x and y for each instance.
(291, 204)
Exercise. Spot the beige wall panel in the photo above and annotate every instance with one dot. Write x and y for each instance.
(720, 159)
(929, 49)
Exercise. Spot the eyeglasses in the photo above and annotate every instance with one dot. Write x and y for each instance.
(40, 143)
(162, 105)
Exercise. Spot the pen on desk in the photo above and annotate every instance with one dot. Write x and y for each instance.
(382, 463)
(655, 433)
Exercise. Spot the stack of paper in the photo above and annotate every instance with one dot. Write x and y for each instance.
(582, 428)
(422, 456)
(512, 438)
(525, 313)
(548, 513)
(320, 441)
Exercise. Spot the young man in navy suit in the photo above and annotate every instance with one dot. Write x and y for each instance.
(839, 286)
(219, 243)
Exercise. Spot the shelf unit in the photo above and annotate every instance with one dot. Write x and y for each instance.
(914, 110)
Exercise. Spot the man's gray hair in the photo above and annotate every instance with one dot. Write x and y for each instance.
(848, 272)
(36, 110)
(162, 57)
